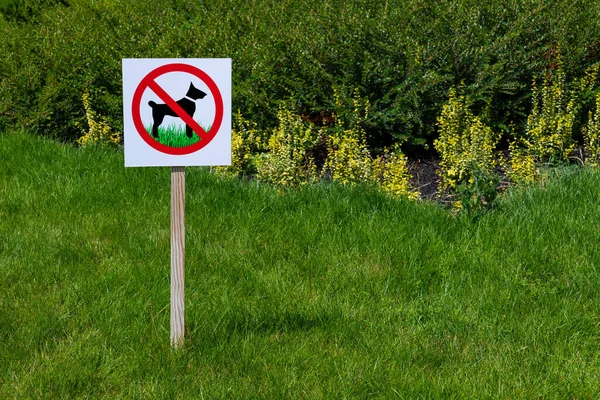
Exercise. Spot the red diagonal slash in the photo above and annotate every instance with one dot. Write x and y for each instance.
(164, 96)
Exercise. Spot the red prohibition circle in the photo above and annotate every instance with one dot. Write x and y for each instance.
(150, 80)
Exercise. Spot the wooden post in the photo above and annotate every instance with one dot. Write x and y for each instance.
(177, 255)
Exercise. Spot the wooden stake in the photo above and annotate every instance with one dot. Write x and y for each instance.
(177, 255)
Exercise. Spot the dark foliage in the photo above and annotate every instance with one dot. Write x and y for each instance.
(402, 56)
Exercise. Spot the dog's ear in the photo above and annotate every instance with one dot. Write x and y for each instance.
(195, 93)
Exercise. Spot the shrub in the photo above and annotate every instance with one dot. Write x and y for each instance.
(479, 192)
(403, 57)
(46, 66)
(466, 148)
(99, 132)
(591, 135)
(348, 156)
(288, 162)
(549, 133)
(293, 151)
(348, 159)
(22, 11)
(392, 168)
(549, 136)
(522, 169)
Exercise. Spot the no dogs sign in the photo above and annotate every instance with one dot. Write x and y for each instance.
(177, 112)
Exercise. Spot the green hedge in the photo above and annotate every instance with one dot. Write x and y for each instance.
(401, 55)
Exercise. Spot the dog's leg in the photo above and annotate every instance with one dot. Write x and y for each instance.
(188, 131)
(157, 119)
(189, 107)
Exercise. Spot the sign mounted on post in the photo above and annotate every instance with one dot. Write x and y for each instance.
(177, 112)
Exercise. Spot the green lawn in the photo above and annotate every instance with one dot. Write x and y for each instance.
(326, 292)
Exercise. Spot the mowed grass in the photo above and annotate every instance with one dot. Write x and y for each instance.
(173, 135)
(325, 292)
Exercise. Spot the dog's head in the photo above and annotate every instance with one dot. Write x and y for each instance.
(195, 93)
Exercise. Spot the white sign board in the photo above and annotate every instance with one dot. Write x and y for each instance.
(177, 112)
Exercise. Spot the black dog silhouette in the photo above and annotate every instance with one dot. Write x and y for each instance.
(188, 104)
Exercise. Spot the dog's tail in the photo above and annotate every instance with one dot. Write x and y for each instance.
(151, 103)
